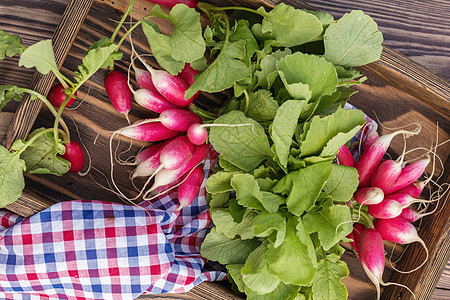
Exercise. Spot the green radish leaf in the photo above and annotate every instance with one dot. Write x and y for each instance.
(282, 291)
(268, 73)
(327, 134)
(104, 42)
(247, 189)
(243, 32)
(39, 56)
(10, 92)
(327, 283)
(289, 26)
(234, 271)
(12, 182)
(41, 158)
(283, 128)
(224, 222)
(307, 76)
(354, 40)
(228, 68)
(271, 225)
(218, 247)
(219, 182)
(184, 45)
(261, 107)
(341, 185)
(256, 274)
(325, 222)
(303, 186)
(95, 58)
(219, 200)
(10, 45)
(243, 146)
(291, 261)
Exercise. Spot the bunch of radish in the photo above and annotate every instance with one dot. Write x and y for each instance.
(387, 189)
(174, 158)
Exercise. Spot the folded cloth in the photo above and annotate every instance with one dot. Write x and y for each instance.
(86, 249)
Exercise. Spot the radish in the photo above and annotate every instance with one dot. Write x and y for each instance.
(166, 176)
(146, 153)
(57, 95)
(172, 3)
(410, 215)
(404, 199)
(148, 163)
(187, 74)
(386, 174)
(147, 131)
(368, 196)
(143, 78)
(344, 157)
(358, 228)
(386, 209)
(401, 231)
(370, 159)
(372, 256)
(413, 189)
(75, 155)
(197, 134)
(152, 101)
(409, 174)
(189, 188)
(171, 87)
(175, 119)
(116, 85)
(371, 136)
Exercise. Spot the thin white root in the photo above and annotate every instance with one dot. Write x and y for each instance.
(81, 102)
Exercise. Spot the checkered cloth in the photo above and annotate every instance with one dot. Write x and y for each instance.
(86, 249)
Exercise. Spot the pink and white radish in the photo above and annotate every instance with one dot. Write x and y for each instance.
(344, 157)
(116, 85)
(143, 78)
(57, 95)
(409, 174)
(413, 189)
(358, 228)
(189, 187)
(398, 230)
(369, 160)
(147, 131)
(386, 209)
(368, 196)
(171, 87)
(371, 136)
(75, 155)
(386, 174)
(373, 259)
(152, 101)
(166, 176)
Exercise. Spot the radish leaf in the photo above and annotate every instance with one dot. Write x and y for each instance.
(288, 26)
(218, 247)
(325, 221)
(303, 186)
(11, 176)
(10, 45)
(243, 146)
(41, 158)
(342, 183)
(224, 222)
(327, 283)
(354, 40)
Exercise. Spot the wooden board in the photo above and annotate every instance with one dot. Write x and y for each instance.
(398, 90)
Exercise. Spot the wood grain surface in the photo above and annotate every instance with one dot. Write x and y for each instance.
(395, 90)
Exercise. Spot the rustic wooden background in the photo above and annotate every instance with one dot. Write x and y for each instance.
(419, 30)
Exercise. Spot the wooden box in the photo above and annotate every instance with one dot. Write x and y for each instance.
(397, 92)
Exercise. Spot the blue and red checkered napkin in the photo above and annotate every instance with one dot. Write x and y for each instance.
(85, 249)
